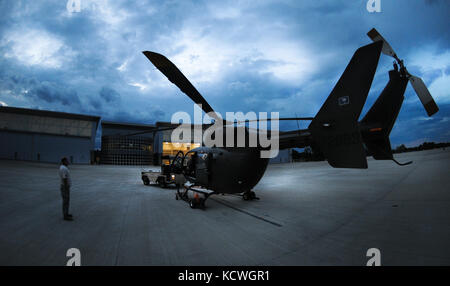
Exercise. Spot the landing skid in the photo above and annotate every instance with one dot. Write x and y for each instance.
(199, 198)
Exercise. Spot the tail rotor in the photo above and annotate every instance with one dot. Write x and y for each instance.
(417, 83)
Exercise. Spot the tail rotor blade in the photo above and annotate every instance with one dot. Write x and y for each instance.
(387, 49)
(424, 95)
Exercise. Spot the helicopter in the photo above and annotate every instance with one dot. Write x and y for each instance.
(335, 130)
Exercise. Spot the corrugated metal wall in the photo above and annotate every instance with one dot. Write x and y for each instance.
(44, 148)
(46, 136)
(46, 124)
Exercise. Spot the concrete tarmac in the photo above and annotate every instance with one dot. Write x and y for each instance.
(308, 214)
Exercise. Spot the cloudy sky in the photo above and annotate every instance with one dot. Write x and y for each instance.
(283, 56)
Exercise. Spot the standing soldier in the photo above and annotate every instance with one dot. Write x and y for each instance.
(64, 174)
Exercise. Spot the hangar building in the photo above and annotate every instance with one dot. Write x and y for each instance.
(147, 144)
(138, 144)
(121, 147)
(46, 136)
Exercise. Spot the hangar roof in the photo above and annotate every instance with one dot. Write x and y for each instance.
(47, 122)
(48, 113)
(126, 125)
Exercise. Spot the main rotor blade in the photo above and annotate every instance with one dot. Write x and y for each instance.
(149, 131)
(279, 119)
(424, 95)
(177, 78)
(387, 49)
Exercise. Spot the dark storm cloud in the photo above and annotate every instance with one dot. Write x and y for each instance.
(281, 56)
(148, 117)
(431, 2)
(54, 94)
(413, 126)
(96, 104)
(109, 94)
